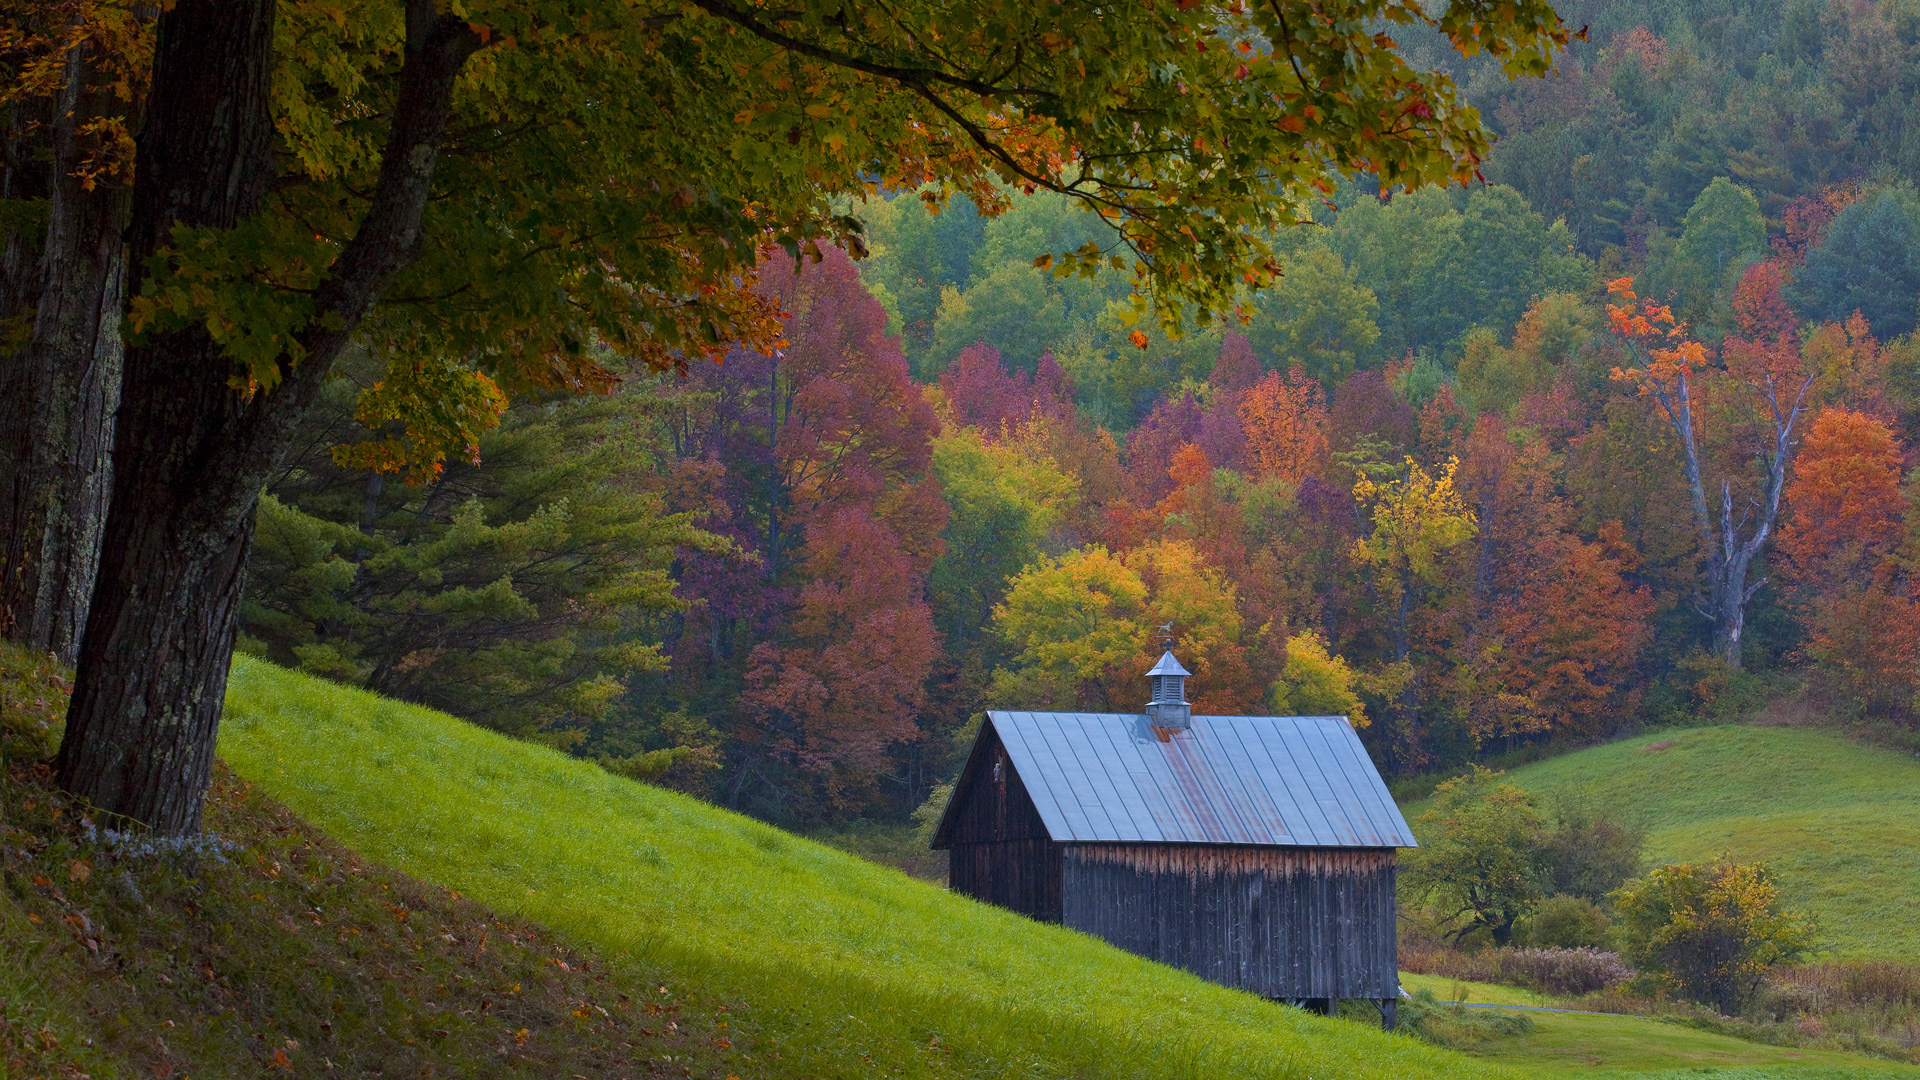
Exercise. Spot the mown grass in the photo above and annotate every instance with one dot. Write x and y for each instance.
(1567, 1044)
(844, 968)
(1838, 821)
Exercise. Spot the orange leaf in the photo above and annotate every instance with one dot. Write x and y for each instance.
(1138, 338)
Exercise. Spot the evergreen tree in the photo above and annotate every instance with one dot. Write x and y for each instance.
(523, 592)
(1868, 261)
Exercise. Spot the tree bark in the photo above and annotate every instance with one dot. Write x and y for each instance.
(194, 451)
(153, 667)
(62, 388)
(1729, 554)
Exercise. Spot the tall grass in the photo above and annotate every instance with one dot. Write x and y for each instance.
(846, 960)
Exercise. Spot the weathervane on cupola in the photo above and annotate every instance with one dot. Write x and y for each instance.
(1169, 710)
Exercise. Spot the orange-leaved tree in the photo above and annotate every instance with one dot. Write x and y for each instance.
(1285, 421)
(1840, 551)
(1557, 627)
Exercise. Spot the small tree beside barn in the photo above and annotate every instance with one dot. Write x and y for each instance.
(1254, 851)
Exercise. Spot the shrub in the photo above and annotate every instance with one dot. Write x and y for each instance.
(1560, 972)
(1856, 982)
(1713, 930)
(1563, 972)
(1566, 922)
(1588, 856)
(1478, 855)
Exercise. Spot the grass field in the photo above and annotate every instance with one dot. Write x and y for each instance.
(842, 967)
(846, 968)
(1569, 1044)
(1838, 822)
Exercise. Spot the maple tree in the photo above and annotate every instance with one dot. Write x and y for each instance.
(1198, 512)
(1173, 424)
(1316, 682)
(1076, 630)
(1559, 625)
(72, 74)
(817, 458)
(1844, 501)
(1198, 602)
(1764, 372)
(1841, 553)
(1234, 372)
(1415, 520)
(846, 679)
(1285, 421)
(982, 393)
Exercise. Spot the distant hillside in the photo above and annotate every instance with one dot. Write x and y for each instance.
(1838, 821)
(838, 967)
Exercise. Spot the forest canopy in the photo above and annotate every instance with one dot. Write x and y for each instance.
(1428, 479)
(1493, 411)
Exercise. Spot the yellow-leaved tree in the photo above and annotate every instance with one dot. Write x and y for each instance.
(1414, 520)
(1316, 682)
(1197, 602)
(1070, 625)
(1082, 629)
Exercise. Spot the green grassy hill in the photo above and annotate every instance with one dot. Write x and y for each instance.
(436, 900)
(839, 967)
(1838, 821)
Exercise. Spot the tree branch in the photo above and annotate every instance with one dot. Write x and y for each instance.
(916, 77)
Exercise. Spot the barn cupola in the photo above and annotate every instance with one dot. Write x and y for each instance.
(1168, 709)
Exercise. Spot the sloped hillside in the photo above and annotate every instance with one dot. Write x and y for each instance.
(835, 967)
(1838, 821)
(270, 950)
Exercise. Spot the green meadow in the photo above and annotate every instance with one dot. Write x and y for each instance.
(851, 968)
(1839, 822)
(1580, 1044)
(844, 962)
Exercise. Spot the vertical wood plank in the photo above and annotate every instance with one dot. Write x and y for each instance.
(1282, 922)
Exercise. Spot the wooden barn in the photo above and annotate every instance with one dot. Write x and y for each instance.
(1254, 851)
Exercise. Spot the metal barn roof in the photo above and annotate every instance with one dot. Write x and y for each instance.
(1298, 781)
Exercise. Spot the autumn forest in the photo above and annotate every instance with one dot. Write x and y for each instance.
(1622, 432)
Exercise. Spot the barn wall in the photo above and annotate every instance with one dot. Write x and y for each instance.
(999, 850)
(1280, 922)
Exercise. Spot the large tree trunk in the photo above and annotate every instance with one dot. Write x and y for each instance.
(153, 668)
(1729, 554)
(62, 388)
(193, 452)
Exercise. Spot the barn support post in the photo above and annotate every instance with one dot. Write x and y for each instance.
(1389, 1013)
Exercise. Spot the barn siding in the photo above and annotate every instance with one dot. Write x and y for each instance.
(998, 848)
(1279, 922)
